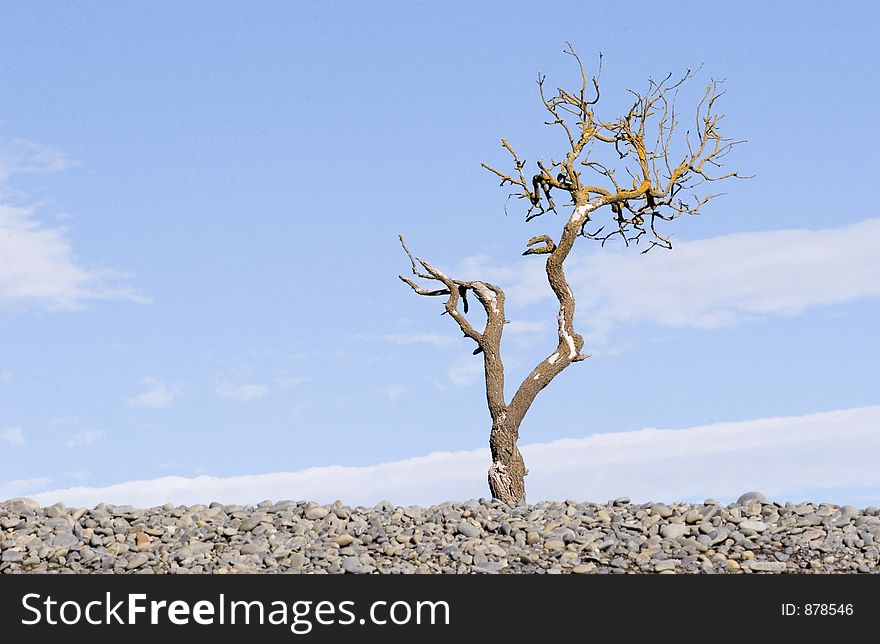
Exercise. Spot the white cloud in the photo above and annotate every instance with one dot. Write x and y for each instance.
(81, 439)
(708, 283)
(39, 266)
(6, 376)
(244, 392)
(157, 394)
(13, 437)
(827, 454)
(21, 487)
(466, 371)
(410, 338)
(27, 157)
(394, 391)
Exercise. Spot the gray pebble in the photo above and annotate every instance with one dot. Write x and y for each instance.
(468, 529)
(67, 540)
(251, 522)
(201, 547)
(354, 566)
(490, 567)
(663, 511)
(30, 504)
(137, 561)
(57, 510)
(668, 564)
(754, 526)
(748, 497)
(674, 530)
(12, 556)
(319, 512)
(298, 560)
(8, 523)
(767, 566)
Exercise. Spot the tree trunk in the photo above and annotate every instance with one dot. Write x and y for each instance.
(508, 471)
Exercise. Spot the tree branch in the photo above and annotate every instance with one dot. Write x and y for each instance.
(643, 138)
(491, 297)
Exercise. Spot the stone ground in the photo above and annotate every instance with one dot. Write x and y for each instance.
(746, 537)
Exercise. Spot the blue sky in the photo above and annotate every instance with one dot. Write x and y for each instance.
(199, 209)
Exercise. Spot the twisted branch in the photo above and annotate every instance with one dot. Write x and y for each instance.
(662, 181)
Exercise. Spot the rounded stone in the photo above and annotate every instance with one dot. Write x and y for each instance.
(748, 497)
(67, 540)
(298, 560)
(674, 530)
(28, 503)
(137, 561)
(12, 556)
(252, 549)
(489, 567)
(353, 565)
(468, 529)
(318, 512)
(754, 526)
(663, 511)
(56, 510)
(666, 564)
(767, 566)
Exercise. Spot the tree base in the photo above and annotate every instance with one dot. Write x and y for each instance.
(507, 480)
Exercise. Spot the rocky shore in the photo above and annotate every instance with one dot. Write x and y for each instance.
(749, 536)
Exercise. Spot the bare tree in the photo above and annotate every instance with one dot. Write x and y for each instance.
(662, 172)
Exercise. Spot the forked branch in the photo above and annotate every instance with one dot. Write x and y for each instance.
(656, 174)
(491, 297)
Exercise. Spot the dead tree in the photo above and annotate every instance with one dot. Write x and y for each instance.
(662, 172)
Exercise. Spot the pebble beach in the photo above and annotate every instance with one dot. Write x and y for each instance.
(750, 536)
